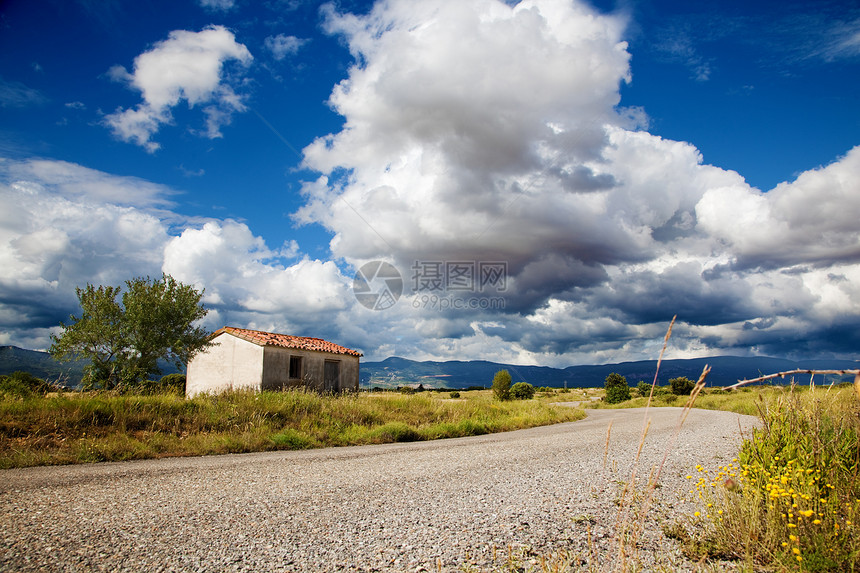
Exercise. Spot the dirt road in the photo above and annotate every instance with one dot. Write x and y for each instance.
(425, 506)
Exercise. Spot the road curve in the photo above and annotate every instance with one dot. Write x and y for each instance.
(423, 506)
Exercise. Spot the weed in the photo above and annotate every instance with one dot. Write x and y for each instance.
(792, 497)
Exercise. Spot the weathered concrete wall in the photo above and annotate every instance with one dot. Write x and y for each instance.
(277, 368)
(230, 364)
(349, 373)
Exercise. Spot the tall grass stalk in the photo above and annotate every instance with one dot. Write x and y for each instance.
(632, 512)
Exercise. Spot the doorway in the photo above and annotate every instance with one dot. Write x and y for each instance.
(331, 376)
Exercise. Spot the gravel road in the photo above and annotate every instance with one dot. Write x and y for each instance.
(447, 505)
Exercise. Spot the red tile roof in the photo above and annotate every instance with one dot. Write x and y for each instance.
(286, 341)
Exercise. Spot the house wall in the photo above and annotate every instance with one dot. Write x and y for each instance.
(229, 364)
(276, 368)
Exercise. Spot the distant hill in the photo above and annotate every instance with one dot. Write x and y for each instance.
(41, 365)
(726, 370)
(394, 371)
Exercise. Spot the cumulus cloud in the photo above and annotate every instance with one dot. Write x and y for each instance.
(811, 220)
(63, 226)
(240, 273)
(512, 147)
(187, 66)
(59, 229)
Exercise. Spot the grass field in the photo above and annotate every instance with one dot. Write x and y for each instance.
(77, 427)
(789, 502)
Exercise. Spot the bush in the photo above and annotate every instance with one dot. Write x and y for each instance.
(617, 389)
(523, 391)
(14, 388)
(502, 385)
(455, 394)
(23, 385)
(644, 389)
(681, 386)
(173, 383)
(168, 384)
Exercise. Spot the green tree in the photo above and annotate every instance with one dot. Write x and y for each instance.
(617, 389)
(502, 385)
(124, 341)
(644, 389)
(523, 391)
(681, 386)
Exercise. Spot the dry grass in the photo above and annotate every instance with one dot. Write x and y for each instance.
(92, 427)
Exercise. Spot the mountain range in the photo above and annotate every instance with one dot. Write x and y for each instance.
(457, 374)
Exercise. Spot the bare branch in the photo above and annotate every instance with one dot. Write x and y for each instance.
(788, 373)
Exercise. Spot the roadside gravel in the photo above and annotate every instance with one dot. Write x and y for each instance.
(445, 505)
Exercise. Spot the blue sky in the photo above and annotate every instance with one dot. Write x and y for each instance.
(613, 164)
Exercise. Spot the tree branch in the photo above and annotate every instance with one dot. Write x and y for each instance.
(789, 372)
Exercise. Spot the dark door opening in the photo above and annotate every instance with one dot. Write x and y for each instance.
(331, 377)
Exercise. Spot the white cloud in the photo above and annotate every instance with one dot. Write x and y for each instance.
(458, 149)
(473, 131)
(283, 45)
(63, 226)
(445, 140)
(58, 232)
(218, 5)
(187, 66)
(241, 274)
(810, 220)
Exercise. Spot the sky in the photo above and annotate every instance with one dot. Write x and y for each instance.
(539, 182)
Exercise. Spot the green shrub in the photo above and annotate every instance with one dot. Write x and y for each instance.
(25, 384)
(617, 389)
(291, 439)
(523, 391)
(394, 432)
(173, 383)
(14, 388)
(681, 386)
(502, 385)
(455, 394)
(168, 384)
(644, 389)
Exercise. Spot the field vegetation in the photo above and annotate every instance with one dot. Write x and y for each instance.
(790, 500)
(76, 427)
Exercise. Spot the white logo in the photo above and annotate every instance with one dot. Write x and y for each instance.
(377, 285)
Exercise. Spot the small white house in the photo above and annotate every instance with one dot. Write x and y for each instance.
(252, 359)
